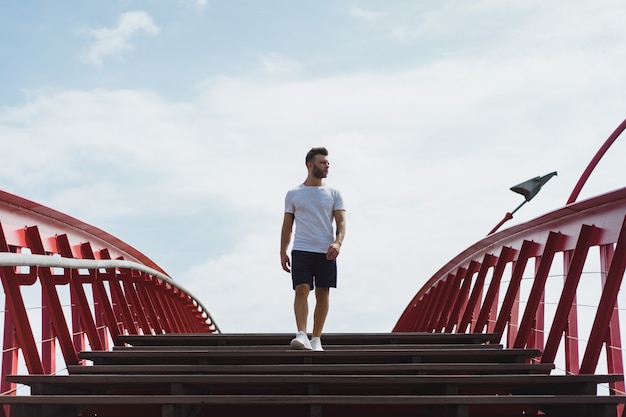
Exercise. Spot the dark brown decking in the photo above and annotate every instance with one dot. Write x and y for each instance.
(273, 356)
(479, 368)
(283, 339)
(396, 375)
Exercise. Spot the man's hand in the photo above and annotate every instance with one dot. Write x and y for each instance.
(285, 262)
(285, 237)
(333, 251)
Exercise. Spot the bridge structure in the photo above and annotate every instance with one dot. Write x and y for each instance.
(543, 297)
(69, 286)
(524, 283)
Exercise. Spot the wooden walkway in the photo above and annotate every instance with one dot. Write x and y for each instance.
(364, 375)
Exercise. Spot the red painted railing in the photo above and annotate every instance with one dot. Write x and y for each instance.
(552, 283)
(79, 288)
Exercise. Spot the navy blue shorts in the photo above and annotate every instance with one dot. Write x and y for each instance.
(314, 269)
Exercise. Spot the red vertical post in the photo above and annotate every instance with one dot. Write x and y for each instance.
(534, 306)
(613, 339)
(48, 339)
(572, 361)
(132, 298)
(536, 337)
(48, 289)
(156, 295)
(444, 299)
(514, 320)
(435, 310)
(462, 298)
(421, 311)
(9, 360)
(170, 311)
(15, 306)
(451, 302)
(101, 297)
(118, 297)
(491, 297)
(507, 311)
(81, 310)
(606, 305)
(146, 302)
(586, 238)
(9, 353)
(474, 300)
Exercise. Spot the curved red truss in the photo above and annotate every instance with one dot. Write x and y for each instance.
(594, 162)
(17, 212)
(527, 283)
(552, 283)
(500, 285)
(89, 286)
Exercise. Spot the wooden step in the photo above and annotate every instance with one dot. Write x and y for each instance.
(439, 346)
(369, 375)
(285, 356)
(266, 384)
(315, 405)
(259, 339)
(479, 368)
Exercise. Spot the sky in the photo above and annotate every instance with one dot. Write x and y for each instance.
(179, 125)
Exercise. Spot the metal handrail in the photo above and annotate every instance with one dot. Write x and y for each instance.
(24, 259)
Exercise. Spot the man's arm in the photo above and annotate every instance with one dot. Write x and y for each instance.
(285, 238)
(340, 224)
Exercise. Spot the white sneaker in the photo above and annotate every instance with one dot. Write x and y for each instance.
(316, 344)
(301, 341)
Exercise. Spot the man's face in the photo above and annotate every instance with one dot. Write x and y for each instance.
(320, 166)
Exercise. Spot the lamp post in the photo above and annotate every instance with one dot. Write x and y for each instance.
(528, 189)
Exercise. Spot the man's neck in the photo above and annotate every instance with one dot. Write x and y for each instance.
(313, 182)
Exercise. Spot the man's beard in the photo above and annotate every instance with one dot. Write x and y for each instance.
(318, 173)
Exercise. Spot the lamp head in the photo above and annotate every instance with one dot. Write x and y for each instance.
(530, 188)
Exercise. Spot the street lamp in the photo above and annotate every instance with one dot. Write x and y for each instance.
(528, 189)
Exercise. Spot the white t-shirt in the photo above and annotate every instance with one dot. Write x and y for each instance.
(313, 209)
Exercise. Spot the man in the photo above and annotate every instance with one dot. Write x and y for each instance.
(313, 206)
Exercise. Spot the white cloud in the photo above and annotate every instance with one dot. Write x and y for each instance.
(366, 14)
(424, 156)
(115, 41)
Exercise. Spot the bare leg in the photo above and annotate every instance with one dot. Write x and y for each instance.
(301, 306)
(322, 296)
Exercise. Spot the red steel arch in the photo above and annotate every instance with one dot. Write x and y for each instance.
(78, 286)
(525, 283)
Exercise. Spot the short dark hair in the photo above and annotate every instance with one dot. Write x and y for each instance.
(315, 151)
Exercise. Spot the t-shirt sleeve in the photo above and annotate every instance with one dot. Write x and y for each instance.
(338, 204)
(289, 206)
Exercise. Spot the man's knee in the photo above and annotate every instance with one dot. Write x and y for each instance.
(302, 290)
(322, 293)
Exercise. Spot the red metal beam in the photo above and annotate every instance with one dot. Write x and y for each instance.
(594, 162)
(470, 313)
(462, 298)
(588, 237)
(606, 305)
(571, 232)
(489, 306)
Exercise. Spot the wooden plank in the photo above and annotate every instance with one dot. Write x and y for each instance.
(389, 400)
(248, 339)
(393, 368)
(318, 379)
(326, 346)
(194, 356)
(302, 384)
